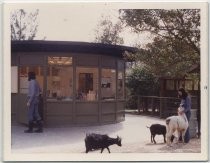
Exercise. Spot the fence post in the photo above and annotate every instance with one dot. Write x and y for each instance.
(161, 107)
(193, 119)
(138, 104)
(153, 107)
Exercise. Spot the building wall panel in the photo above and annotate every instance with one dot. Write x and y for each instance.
(56, 108)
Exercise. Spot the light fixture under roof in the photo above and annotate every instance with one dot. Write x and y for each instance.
(60, 61)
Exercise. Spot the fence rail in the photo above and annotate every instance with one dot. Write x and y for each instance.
(161, 106)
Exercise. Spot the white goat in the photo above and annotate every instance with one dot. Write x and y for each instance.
(176, 123)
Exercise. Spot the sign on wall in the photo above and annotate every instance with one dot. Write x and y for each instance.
(14, 79)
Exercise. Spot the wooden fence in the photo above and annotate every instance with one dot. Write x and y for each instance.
(161, 106)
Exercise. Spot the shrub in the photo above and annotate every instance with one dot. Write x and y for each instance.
(140, 82)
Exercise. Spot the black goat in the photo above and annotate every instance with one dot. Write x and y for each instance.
(96, 141)
(159, 130)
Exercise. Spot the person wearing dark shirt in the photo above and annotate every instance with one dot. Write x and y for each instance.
(32, 103)
(186, 103)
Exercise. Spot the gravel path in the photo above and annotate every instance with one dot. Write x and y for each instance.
(133, 131)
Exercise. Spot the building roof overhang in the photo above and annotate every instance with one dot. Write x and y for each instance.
(70, 46)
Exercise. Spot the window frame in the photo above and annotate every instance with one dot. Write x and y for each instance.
(115, 90)
(77, 83)
(120, 69)
(49, 73)
(27, 67)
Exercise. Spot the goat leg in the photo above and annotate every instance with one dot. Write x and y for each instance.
(108, 149)
(154, 139)
(179, 136)
(168, 138)
(183, 135)
(102, 150)
(164, 136)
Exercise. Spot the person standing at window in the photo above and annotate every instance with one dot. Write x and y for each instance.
(32, 103)
(186, 103)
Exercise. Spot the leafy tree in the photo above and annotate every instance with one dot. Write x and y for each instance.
(180, 24)
(176, 45)
(109, 33)
(166, 58)
(140, 82)
(23, 25)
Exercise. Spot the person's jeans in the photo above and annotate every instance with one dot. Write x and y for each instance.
(33, 111)
(187, 134)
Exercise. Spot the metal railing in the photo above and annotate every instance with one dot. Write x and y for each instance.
(160, 106)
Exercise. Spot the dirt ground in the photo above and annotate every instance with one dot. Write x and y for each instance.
(55, 142)
(133, 131)
(194, 146)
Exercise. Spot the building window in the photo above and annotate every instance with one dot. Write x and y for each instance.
(181, 84)
(87, 84)
(108, 84)
(120, 79)
(34, 69)
(176, 82)
(14, 79)
(196, 85)
(59, 79)
(189, 85)
(23, 76)
(120, 82)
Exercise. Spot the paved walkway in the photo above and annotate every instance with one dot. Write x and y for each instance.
(133, 131)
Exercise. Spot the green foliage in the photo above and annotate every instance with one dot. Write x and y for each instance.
(108, 33)
(23, 25)
(131, 102)
(168, 58)
(140, 82)
(176, 45)
(180, 24)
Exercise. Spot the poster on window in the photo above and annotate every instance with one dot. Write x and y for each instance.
(105, 82)
(24, 85)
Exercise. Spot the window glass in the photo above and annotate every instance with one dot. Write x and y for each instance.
(120, 82)
(87, 83)
(108, 84)
(196, 85)
(14, 79)
(181, 84)
(23, 76)
(59, 79)
(34, 69)
(188, 85)
(176, 82)
(121, 65)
